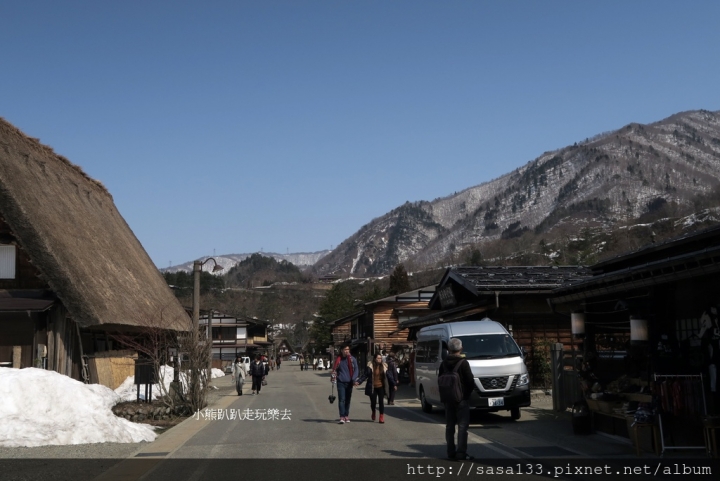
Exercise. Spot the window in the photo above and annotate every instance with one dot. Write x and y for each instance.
(224, 334)
(427, 351)
(7, 262)
(421, 352)
(489, 346)
(433, 348)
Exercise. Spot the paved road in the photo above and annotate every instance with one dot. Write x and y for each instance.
(309, 444)
(306, 426)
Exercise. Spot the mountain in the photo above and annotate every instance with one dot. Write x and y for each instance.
(302, 260)
(608, 180)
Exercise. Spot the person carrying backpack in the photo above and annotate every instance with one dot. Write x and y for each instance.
(456, 383)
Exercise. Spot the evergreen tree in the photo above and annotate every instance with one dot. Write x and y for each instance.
(399, 281)
(374, 293)
(338, 303)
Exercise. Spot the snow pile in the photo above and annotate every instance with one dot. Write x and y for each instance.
(41, 407)
(128, 390)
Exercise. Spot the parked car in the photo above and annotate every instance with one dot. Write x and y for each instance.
(293, 357)
(320, 365)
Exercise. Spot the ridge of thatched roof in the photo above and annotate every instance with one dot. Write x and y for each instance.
(49, 151)
(70, 228)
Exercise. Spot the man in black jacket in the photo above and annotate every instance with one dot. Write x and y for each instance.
(458, 413)
(258, 370)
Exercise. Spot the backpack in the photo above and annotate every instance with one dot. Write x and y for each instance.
(450, 385)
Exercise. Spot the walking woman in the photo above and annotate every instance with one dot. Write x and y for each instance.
(238, 374)
(376, 376)
(257, 371)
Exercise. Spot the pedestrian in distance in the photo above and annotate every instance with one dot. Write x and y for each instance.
(392, 378)
(411, 368)
(457, 413)
(302, 363)
(258, 370)
(345, 373)
(314, 364)
(376, 385)
(238, 374)
(279, 361)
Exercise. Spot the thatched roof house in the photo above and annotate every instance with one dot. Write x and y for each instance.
(70, 243)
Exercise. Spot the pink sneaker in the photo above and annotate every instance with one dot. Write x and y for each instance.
(347, 419)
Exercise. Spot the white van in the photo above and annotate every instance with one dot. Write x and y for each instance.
(496, 361)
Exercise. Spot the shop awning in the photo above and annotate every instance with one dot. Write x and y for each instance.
(20, 304)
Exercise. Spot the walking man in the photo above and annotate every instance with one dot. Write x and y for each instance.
(345, 373)
(392, 377)
(458, 413)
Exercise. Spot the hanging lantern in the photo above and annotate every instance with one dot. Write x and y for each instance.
(638, 330)
(577, 324)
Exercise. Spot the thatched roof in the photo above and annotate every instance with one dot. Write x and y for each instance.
(73, 233)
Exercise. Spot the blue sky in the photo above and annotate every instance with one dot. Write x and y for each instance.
(235, 126)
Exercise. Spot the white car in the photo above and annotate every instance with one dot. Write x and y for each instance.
(293, 357)
(320, 365)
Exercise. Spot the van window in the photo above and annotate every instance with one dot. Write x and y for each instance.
(433, 351)
(488, 346)
(421, 352)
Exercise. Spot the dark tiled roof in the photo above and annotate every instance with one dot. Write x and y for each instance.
(522, 277)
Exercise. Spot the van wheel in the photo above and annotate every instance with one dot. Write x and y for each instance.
(515, 413)
(424, 404)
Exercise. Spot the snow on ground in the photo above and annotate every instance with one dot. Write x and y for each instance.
(42, 407)
(128, 390)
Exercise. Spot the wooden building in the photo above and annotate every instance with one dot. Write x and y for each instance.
(234, 336)
(71, 269)
(282, 348)
(648, 323)
(516, 297)
(375, 327)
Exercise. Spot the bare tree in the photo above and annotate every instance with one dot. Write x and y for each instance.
(156, 343)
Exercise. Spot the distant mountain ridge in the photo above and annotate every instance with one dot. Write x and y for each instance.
(228, 261)
(613, 176)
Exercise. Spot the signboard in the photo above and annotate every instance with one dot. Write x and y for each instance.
(447, 297)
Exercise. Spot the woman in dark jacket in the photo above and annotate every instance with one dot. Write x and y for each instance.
(257, 371)
(376, 376)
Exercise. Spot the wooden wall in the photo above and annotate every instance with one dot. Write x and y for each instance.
(63, 351)
(385, 321)
(27, 276)
(341, 333)
(16, 329)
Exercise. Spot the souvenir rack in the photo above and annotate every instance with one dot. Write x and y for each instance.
(694, 379)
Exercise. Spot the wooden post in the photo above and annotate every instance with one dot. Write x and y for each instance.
(17, 357)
